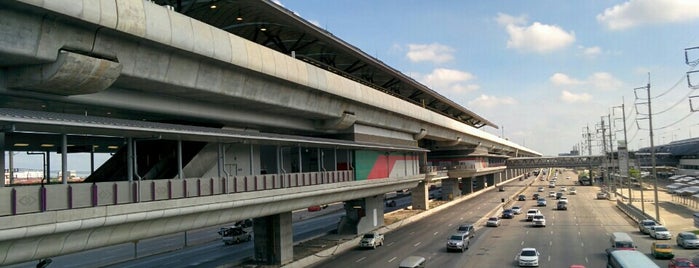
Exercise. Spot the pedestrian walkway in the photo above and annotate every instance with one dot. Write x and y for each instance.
(676, 216)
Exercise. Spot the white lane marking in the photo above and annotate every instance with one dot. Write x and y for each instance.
(450, 224)
(521, 244)
(527, 232)
(551, 232)
(550, 243)
(586, 260)
(549, 257)
(389, 244)
(582, 244)
(461, 219)
(412, 233)
(360, 259)
(417, 244)
(435, 233)
(392, 259)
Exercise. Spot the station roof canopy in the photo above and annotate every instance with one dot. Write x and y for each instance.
(275, 27)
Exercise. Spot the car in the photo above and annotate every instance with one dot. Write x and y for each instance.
(564, 189)
(517, 210)
(234, 234)
(552, 194)
(413, 262)
(528, 257)
(535, 196)
(564, 199)
(644, 225)
(467, 229)
(552, 185)
(531, 212)
(681, 263)
(539, 221)
(572, 190)
(540, 189)
(493, 222)
(458, 241)
(559, 195)
(371, 240)
(661, 250)
(521, 197)
(562, 205)
(508, 214)
(541, 202)
(601, 195)
(687, 240)
(660, 232)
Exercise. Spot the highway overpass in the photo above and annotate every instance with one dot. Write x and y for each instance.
(208, 122)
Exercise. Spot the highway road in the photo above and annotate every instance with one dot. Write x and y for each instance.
(578, 235)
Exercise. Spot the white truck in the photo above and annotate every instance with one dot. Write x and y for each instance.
(371, 240)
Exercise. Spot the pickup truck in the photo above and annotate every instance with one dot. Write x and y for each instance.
(371, 240)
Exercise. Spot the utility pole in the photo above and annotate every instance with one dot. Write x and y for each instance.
(605, 172)
(623, 152)
(652, 151)
(611, 155)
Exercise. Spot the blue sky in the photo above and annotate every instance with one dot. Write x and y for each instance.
(541, 69)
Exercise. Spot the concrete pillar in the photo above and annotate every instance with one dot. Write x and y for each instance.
(420, 196)
(450, 189)
(466, 186)
(274, 241)
(480, 182)
(490, 179)
(2, 158)
(362, 215)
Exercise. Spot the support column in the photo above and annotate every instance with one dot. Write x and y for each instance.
(490, 179)
(2, 159)
(450, 189)
(420, 196)
(466, 186)
(274, 239)
(480, 182)
(362, 215)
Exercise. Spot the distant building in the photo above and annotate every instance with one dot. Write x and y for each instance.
(681, 156)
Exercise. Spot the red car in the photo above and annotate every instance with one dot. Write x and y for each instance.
(680, 262)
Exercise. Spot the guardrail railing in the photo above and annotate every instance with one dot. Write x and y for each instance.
(51, 197)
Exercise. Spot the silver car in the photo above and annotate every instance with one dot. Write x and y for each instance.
(458, 241)
(687, 240)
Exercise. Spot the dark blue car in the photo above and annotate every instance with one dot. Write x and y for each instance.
(508, 214)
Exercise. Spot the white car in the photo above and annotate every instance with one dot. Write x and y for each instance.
(540, 189)
(528, 257)
(531, 212)
(539, 221)
(517, 210)
(564, 189)
(552, 194)
(563, 199)
(493, 222)
(572, 191)
(660, 232)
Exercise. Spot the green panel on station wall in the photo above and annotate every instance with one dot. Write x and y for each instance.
(365, 161)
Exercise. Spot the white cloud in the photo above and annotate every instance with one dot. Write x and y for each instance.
(505, 19)
(599, 81)
(537, 37)
(604, 81)
(559, 79)
(638, 12)
(570, 97)
(592, 52)
(485, 101)
(435, 52)
(449, 80)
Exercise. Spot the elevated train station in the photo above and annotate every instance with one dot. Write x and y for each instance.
(210, 116)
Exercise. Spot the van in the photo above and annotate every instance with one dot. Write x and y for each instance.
(621, 240)
(413, 262)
